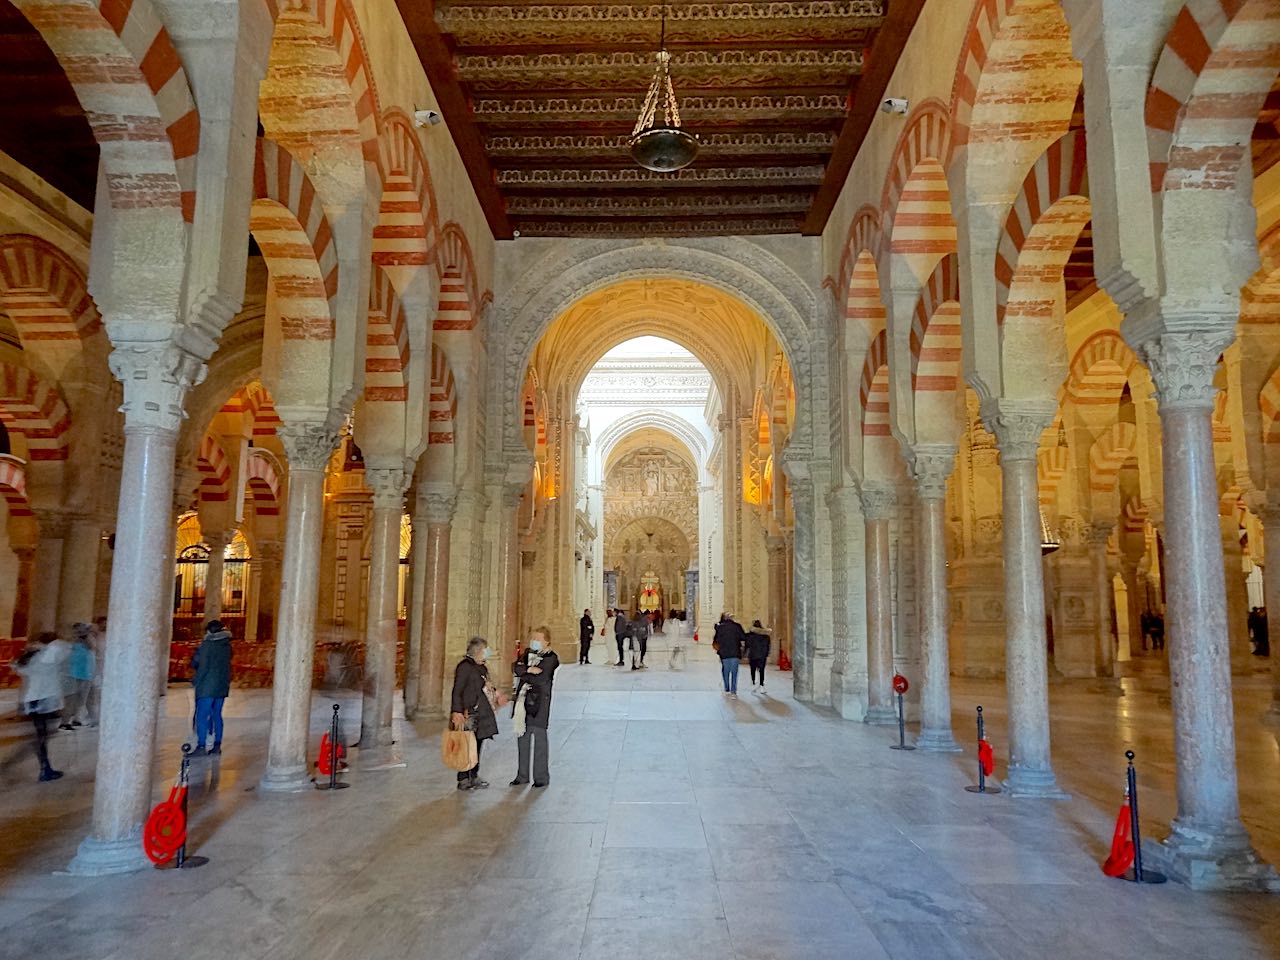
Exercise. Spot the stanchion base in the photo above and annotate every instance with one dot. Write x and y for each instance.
(1148, 876)
(190, 863)
(901, 746)
(974, 788)
(332, 786)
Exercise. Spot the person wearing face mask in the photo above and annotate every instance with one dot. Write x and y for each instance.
(472, 706)
(535, 671)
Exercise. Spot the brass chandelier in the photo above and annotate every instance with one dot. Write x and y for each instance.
(662, 146)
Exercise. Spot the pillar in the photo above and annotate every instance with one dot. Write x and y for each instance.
(381, 620)
(877, 509)
(79, 570)
(1132, 587)
(777, 564)
(267, 558)
(1017, 428)
(1207, 845)
(802, 625)
(308, 447)
(156, 378)
(1104, 595)
(438, 507)
(509, 585)
(415, 593)
(22, 591)
(849, 665)
(47, 573)
(1270, 514)
(931, 468)
(217, 541)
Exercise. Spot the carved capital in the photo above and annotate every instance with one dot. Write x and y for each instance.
(156, 378)
(388, 485)
(436, 503)
(931, 465)
(1017, 426)
(1099, 532)
(307, 445)
(218, 539)
(878, 501)
(52, 522)
(269, 551)
(1183, 366)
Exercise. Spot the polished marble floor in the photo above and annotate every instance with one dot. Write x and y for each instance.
(678, 824)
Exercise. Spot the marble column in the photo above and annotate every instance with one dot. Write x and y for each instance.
(877, 509)
(509, 571)
(1017, 428)
(80, 554)
(381, 620)
(217, 541)
(415, 598)
(1104, 595)
(156, 379)
(802, 625)
(1133, 638)
(1207, 845)
(46, 582)
(777, 563)
(21, 626)
(438, 507)
(1270, 514)
(931, 468)
(308, 447)
(267, 558)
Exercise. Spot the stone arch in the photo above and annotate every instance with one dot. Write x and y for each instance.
(735, 266)
(13, 486)
(1269, 405)
(34, 410)
(263, 483)
(659, 419)
(1107, 455)
(915, 205)
(215, 471)
(406, 235)
(386, 358)
(936, 354)
(873, 393)
(44, 292)
(1099, 370)
(461, 300)
(442, 417)
(1051, 467)
(864, 237)
(131, 82)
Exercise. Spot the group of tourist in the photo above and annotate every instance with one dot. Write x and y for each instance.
(731, 642)
(61, 684)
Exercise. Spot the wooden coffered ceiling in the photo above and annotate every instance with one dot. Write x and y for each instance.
(541, 98)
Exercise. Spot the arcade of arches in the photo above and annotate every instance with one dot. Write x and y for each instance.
(1001, 399)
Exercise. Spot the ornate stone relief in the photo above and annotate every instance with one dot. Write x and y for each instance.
(1183, 366)
(308, 446)
(156, 378)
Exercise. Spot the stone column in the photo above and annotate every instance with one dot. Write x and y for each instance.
(308, 447)
(381, 620)
(415, 593)
(156, 378)
(217, 541)
(1017, 428)
(877, 509)
(80, 554)
(1133, 639)
(1207, 845)
(931, 468)
(777, 562)
(803, 623)
(1104, 594)
(438, 505)
(1270, 514)
(46, 582)
(509, 572)
(267, 559)
(22, 591)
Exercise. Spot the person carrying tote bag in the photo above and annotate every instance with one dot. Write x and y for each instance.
(471, 712)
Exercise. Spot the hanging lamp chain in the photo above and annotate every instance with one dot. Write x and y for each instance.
(660, 89)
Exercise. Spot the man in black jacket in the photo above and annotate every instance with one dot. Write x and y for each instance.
(728, 642)
(585, 629)
(470, 707)
(621, 630)
(535, 671)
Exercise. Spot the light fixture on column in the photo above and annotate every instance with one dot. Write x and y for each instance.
(1049, 541)
(662, 146)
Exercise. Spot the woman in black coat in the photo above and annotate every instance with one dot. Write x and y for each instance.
(472, 706)
(757, 652)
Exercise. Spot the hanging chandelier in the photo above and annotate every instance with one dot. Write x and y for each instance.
(1049, 540)
(657, 142)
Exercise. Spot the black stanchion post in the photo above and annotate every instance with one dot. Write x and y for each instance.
(902, 730)
(333, 783)
(1137, 874)
(982, 774)
(182, 861)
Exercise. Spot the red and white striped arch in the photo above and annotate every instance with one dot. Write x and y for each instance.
(1016, 80)
(289, 223)
(1045, 218)
(915, 207)
(1108, 454)
(387, 344)
(1269, 406)
(44, 292)
(130, 80)
(873, 390)
(408, 229)
(935, 331)
(443, 409)
(13, 486)
(263, 484)
(1099, 370)
(1213, 75)
(33, 408)
(254, 403)
(1051, 467)
(460, 296)
(864, 309)
(864, 237)
(215, 471)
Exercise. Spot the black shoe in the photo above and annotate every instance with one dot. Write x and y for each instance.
(464, 784)
(478, 784)
(619, 664)
(517, 782)
(76, 723)
(215, 750)
(65, 726)
(634, 667)
(48, 773)
(541, 784)
(198, 752)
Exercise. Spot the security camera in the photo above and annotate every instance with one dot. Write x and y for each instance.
(896, 105)
(426, 118)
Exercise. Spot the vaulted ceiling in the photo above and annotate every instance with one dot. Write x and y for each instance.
(541, 97)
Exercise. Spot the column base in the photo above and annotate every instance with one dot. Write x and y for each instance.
(381, 757)
(1033, 784)
(99, 858)
(938, 741)
(286, 780)
(881, 716)
(1220, 860)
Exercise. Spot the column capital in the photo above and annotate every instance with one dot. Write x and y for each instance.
(878, 501)
(1017, 425)
(269, 551)
(1183, 366)
(308, 446)
(52, 522)
(512, 494)
(931, 466)
(1099, 532)
(436, 502)
(388, 485)
(156, 378)
(218, 539)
